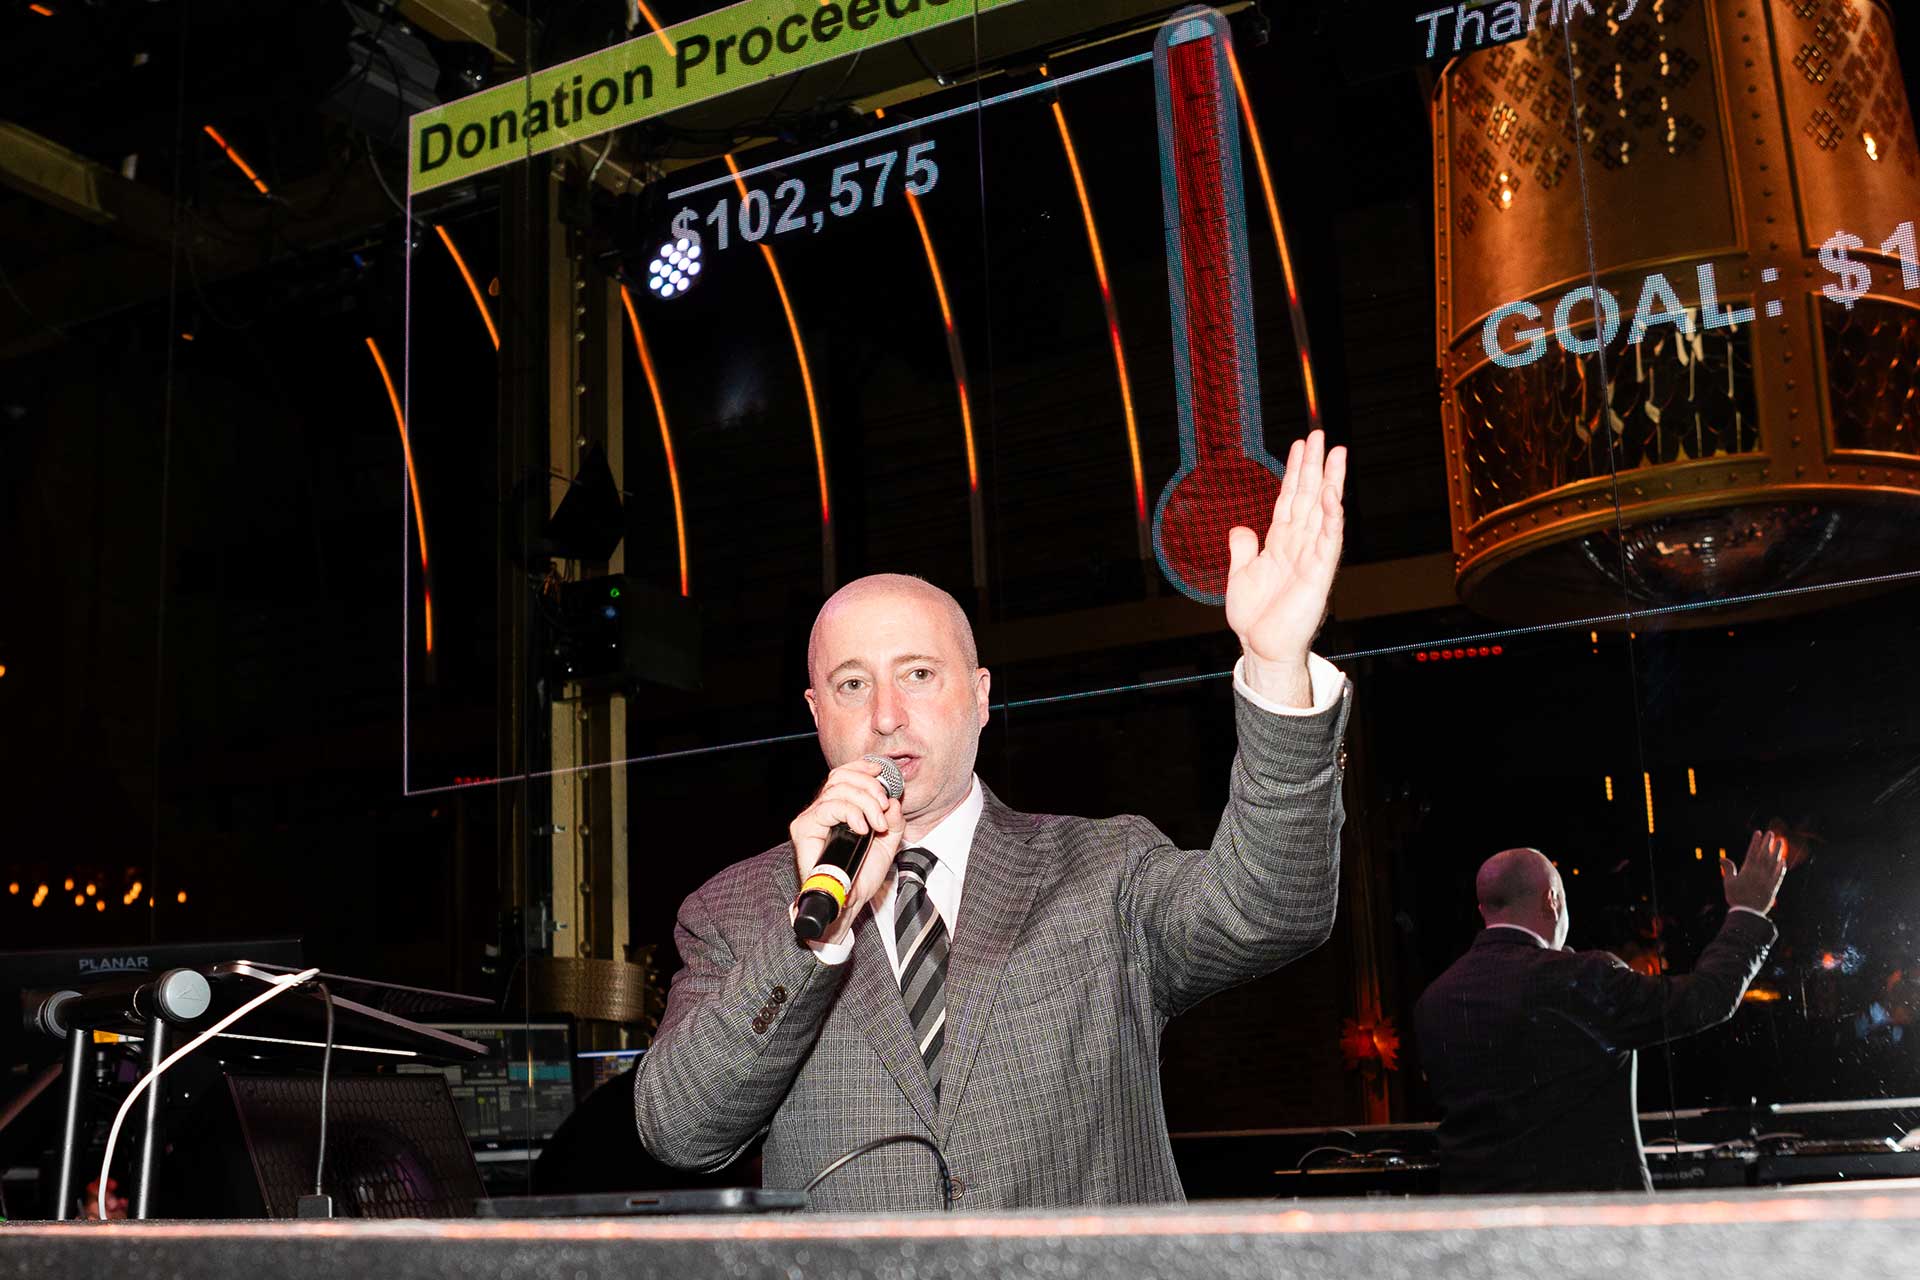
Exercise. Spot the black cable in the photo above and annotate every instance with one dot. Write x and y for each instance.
(841, 88)
(946, 1178)
(779, 103)
(381, 178)
(925, 66)
(1301, 1163)
(326, 1068)
(332, 193)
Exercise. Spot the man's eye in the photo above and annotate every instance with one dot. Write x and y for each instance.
(851, 686)
(920, 673)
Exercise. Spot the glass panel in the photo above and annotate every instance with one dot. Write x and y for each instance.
(1767, 726)
(1759, 387)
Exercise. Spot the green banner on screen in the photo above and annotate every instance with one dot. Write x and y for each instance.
(701, 58)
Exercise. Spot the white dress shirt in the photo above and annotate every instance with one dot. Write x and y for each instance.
(951, 840)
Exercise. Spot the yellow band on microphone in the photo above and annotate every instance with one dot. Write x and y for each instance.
(834, 886)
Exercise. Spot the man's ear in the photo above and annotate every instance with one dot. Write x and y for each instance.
(982, 693)
(813, 707)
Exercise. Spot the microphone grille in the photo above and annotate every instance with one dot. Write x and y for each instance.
(889, 776)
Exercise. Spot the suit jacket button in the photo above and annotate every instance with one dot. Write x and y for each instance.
(779, 995)
(760, 1026)
(959, 1187)
(766, 1011)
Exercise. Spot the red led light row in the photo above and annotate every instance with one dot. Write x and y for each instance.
(1448, 655)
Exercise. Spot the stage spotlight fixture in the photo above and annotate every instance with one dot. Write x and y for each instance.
(672, 271)
(615, 632)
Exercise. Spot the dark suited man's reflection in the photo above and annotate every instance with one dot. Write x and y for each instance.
(1529, 1047)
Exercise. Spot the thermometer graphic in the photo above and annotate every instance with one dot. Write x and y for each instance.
(1226, 475)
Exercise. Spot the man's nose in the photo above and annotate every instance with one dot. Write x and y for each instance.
(889, 712)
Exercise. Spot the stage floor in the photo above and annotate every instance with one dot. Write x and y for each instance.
(1828, 1234)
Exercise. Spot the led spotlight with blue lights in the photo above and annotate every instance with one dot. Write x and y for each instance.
(672, 271)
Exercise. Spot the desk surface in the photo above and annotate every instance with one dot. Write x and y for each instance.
(1866, 1230)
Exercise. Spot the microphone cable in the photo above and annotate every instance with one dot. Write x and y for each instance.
(946, 1178)
(277, 986)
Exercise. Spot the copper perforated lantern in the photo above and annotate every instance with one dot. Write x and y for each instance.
(1684, 164)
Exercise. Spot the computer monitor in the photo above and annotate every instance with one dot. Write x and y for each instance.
(511, 1101)
(598, 1066)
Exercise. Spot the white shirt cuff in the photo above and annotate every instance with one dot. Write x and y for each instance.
(1327, 681)
(827, 953)
(833, 953)
(1749, 910)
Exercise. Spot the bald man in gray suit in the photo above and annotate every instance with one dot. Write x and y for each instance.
(997, 982)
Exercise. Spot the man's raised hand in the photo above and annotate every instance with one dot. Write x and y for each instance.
(1277, 590)
(1757, 880)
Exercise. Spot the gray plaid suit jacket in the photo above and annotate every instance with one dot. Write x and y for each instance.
(1077, 940)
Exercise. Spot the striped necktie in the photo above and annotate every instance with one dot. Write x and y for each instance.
(920, 938)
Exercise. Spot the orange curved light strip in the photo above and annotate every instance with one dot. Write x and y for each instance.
(953, 341)
(800, 353)
(235, 156)
(478, 299)
(666, 438)
(654, 23)
(1280, 238)
(1113, 319)
(413, 483)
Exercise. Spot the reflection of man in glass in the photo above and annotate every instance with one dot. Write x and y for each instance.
(998, 981)
(1529, 1047)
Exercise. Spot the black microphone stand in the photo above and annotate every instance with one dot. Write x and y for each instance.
(150, 1131)
(79, 1061)
(79, 1042)
(179, 995)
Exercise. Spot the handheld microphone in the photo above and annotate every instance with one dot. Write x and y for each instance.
(825, 893)
(178, 995)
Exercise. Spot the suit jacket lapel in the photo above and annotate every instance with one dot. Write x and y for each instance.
(994, 902)
(872, 1000)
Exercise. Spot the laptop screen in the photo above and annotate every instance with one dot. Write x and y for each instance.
(516, 1097)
